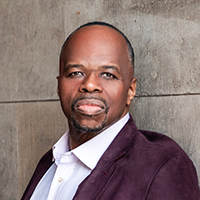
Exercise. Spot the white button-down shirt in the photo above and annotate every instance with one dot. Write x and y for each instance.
(62, 179)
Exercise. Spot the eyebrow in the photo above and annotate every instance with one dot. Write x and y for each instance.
(70, 66)
(111, 67)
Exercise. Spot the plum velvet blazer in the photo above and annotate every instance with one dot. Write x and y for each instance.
(138, 165)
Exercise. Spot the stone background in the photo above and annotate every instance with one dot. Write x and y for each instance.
(166, 37)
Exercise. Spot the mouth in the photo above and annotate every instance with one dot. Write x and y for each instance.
(90, 107)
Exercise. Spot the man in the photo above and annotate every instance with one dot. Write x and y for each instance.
(103, 155)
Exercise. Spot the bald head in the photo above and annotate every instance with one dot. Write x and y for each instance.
(95, 67)
(129, 47)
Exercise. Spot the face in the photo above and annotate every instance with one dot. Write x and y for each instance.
(95, 83)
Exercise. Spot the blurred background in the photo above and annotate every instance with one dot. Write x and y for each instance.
(165, 35)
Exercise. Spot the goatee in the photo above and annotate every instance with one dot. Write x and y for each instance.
(84, 128)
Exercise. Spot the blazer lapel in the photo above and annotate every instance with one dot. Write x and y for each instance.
(94, 185)
(43, 166)
(96, 181)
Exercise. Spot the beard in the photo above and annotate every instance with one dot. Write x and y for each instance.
(91, 129)
(86, 128)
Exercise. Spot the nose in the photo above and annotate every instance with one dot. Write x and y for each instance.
(91, 83)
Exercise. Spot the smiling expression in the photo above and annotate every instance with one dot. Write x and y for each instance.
(95, 84)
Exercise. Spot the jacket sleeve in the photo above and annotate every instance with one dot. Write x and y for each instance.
(176, 179)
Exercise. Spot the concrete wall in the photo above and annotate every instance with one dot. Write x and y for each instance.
(165, 35)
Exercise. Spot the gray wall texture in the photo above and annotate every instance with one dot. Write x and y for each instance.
(166, 37)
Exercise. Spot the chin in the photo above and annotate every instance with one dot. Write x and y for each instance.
(89, 125)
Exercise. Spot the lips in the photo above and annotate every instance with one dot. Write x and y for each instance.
(90, 106)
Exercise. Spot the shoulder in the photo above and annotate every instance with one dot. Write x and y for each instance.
(174, 175)
(155, 149)
(163, 167)
(159, 144)
(149, 141)
(146, 147)
(150, 152)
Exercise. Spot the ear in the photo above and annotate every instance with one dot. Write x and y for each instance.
(131, 91)
(58, 91)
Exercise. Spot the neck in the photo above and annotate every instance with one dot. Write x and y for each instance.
(76, 137)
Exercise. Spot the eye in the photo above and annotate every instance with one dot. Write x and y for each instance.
(77, 74)
(108, 75)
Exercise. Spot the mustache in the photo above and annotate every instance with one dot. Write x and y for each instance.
(97, 98)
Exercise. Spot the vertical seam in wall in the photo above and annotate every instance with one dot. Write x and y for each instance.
(17, 137)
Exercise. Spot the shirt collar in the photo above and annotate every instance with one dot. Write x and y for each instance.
(91, 151)
(60, 147)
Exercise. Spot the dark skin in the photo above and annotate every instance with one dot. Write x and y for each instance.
(95, 83)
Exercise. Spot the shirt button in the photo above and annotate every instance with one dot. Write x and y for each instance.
(60, 179)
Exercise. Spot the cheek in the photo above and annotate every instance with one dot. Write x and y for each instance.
(117, 96)
(67, 91)
(68, 87)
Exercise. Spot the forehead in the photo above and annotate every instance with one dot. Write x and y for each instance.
(96, 46)
(96, 38)
(102, 31)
